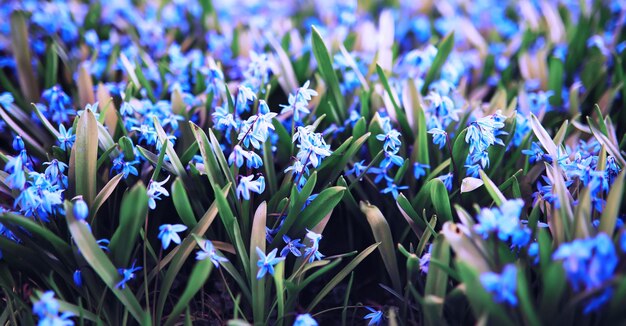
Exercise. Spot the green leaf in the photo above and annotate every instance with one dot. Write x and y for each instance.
(79, 311)
(325, 67)
(460, 151)
(84, 157)
(20, 45)
(177, 257)
(45, 121)
(182, 204)
(382, 235)
(613, 202)
(480, 301)
(179, 169)
(340, 276)
(35, 229)
(100, 263)
(257, 240)
(437, 277)
(555, 81)
(420, 146)
(133, 212)
(400, 115)
(323, 204)
(199, 275)
(443, 51)
(52, 65)
(542, 136)
(104, 194)
(211, 166)
(85, 87)
(411, 216)
(297, 201)
(232, 227)
(492, 189)
(440, 200)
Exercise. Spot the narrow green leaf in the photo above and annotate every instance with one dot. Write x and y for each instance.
(257, 240)
(315, 212)
(440, 200)
(400, 115)
(20, 44)
(613, 202)
(84, 157)
(173, 157)
(341, 275)
(325, 67)
(443, 51)
(492, 189)
(382, 235)
(104, 194)
(195, 282)
(182, 204)
(133, 212)
(101, 264)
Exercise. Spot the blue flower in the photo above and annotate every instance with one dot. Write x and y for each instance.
(77, 276)
(246, 185)
(126, 168)
(305, 320)
(502, 286)
(59, 105)
(357, 169)
(298, 103)
(447, 180)
(312, 146)
(536, 154)
(80, 210)
(208, 251)
(419, 170)
(47, 309)
(155, 190)
(425, 261)
(391, 141)
(6, 99)
(46, 305)
(439, 137)
(18, 144)
(588, 262)
(15, 167)
(313, 254)
(292, 246)
(54, 173)
(314, 237)
(393, 189)
(169, 233)
(375, 316)
(66, 138)
(266, 263)
(255, 130)
(503, 221)
(127, 275)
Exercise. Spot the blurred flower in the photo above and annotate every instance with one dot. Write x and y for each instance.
(305, 320)
(502, 286)
(81, 210)
(375, 316)
(127, 275)
(439, 137)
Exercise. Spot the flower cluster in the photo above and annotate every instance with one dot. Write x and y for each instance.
(589, 264)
